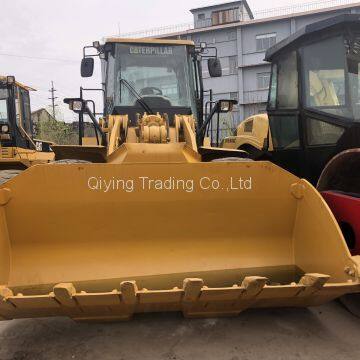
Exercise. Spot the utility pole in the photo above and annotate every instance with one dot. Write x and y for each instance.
(53, 98)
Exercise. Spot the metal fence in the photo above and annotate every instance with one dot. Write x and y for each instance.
(308, 6)
(158, 31)
(267, 13)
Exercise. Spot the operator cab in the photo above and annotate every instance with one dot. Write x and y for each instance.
(314, 102)
(151, 80)
(150, 76)
(16, 128)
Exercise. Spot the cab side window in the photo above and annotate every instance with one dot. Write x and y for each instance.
(322, 133)
(248, 126)
(273, 87)
(26, 112)
(110, 88)
(3, 106)
(287, 85)
(285, 131)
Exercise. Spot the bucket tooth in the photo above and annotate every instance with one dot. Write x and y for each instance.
(192, 289)
(5, 304)
(253, 286)
(312, 283)
(64, 294)
(129, 291)
(5, 293)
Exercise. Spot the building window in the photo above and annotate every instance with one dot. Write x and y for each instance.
(233, 65)
(231, 35)
(225, 16)
(265, 41)
(234, 96)
(263, 80)
(196, 40)
(201, 16)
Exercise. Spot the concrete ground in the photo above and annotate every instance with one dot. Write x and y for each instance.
(327, 332)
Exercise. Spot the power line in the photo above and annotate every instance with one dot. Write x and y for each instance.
(53, 98)
(39, 58)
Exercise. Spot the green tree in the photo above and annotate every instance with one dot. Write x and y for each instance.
(58, 132)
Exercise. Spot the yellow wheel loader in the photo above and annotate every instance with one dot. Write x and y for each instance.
(151, 220)
(18, 148)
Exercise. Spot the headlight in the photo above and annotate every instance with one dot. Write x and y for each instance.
(4, 128)
(10, 80)
(76, 105)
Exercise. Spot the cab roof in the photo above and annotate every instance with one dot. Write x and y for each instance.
(309, 31)
(150, 41)
(23, 86)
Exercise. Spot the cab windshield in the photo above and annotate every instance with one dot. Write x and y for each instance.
(331, 76)
(3, 106)
(158, 74)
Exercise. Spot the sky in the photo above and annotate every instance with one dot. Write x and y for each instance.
(42, 40)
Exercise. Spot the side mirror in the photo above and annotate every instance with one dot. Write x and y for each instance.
(226, 106)
(87, 67)
(214, 66)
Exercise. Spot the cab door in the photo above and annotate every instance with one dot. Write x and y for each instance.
(287, 151)
(321, 138)
(284, 115)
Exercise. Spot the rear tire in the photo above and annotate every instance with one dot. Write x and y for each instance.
(6, 175)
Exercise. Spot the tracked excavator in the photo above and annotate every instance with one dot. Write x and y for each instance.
(312, 125)
(18, 147)
(151, 218)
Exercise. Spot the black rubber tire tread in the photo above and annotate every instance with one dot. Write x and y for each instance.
(232, 159)
(71, 161)
(6, 175)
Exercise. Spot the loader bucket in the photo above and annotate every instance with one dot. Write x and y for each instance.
(103, 241)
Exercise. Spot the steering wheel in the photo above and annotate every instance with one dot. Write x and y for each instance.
(151, 90)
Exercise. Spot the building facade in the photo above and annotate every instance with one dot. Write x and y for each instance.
(241, 41)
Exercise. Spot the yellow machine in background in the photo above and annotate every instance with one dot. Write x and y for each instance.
(251, 135)
(18, 148)
(158, 222)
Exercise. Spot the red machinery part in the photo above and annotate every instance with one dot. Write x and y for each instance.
(346, 208)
